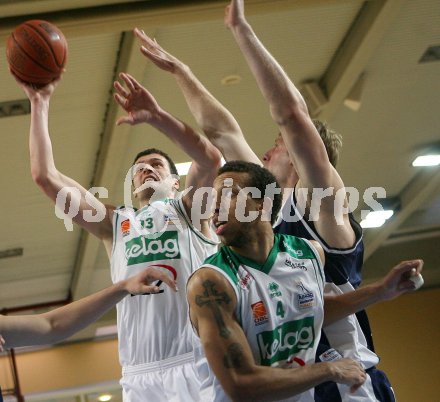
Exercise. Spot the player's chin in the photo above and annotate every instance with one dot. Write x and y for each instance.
(231, 239)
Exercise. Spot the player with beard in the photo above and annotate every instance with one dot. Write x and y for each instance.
(258, 304)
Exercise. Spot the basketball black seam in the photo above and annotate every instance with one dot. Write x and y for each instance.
(47, 43)
(28, 55)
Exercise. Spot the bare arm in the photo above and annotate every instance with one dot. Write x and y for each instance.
(50, 180)
(289, 111)
(141, 107)
(212, 304)
(394, 284)
(218, 124)
(63, 322)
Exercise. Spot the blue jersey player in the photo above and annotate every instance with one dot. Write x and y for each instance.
(300, 162)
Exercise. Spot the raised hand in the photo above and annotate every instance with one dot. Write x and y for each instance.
(140, 105)
(161, 58)
(34, 92)
(234, 13)
(348, 372)
(143, 282)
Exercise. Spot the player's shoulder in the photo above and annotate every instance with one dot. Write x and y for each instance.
(207, 282)
(222, 259)
(121, 208)
(298, 247)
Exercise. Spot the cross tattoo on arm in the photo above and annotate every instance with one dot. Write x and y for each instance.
(212, 299)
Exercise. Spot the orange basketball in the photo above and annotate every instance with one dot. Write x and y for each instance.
(36, 52)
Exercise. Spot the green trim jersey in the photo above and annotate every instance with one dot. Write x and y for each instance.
(156, 327)
(279, 304)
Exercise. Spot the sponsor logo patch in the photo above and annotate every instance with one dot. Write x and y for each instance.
(285, 341)
(245, 281)
(305, 298)
(295, 264)
(330, 355)
(297, 253)
(260, 313)
(142, 249)
(274, 290)
(125, 227)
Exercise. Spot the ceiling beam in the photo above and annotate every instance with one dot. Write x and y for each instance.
(152, 14)
(412, 197)
(108, 164)
(355, 51)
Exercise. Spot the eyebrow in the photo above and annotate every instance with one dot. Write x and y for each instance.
(149, 161)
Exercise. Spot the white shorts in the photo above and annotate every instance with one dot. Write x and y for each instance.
(171, 380)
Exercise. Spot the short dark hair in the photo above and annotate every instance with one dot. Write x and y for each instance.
(331, 139)
(258, 177)
(150, 151)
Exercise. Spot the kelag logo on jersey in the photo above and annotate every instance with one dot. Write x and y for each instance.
(142, 249)
(286, 340)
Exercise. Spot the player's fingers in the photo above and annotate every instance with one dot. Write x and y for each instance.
(133, 81)
(120, 100)
(162, 276)
(148, 53)
(143, 37)
(406, 267)
(124, 120)
(167, 280)
(138, 33)
(128, 81)
(121, 90)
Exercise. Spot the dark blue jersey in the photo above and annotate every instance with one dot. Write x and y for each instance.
(343, 273)
(342, 266)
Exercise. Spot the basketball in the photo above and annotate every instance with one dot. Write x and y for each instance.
(36, 52)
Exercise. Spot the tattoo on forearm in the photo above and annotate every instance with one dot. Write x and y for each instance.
(233, 356)
(212, 299)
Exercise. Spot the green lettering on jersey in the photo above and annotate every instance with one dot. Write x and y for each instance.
(286, 340)
(142, 249)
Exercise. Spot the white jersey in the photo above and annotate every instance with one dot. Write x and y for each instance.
(280, 304)
(156, 327)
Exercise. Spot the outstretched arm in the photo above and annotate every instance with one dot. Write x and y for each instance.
(50, 180)
(141, 107)
(218, 124)
(212, 304)
(394, 284)
(63, 322)
(289, 111)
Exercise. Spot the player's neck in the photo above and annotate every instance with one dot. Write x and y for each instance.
(258, 244)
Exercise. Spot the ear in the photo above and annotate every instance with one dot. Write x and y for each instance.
(266, 209)
(176, 184)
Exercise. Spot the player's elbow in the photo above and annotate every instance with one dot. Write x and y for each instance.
(214, 157)
(293, 113)
(46, 181)
(41, 177)
(244, 388)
